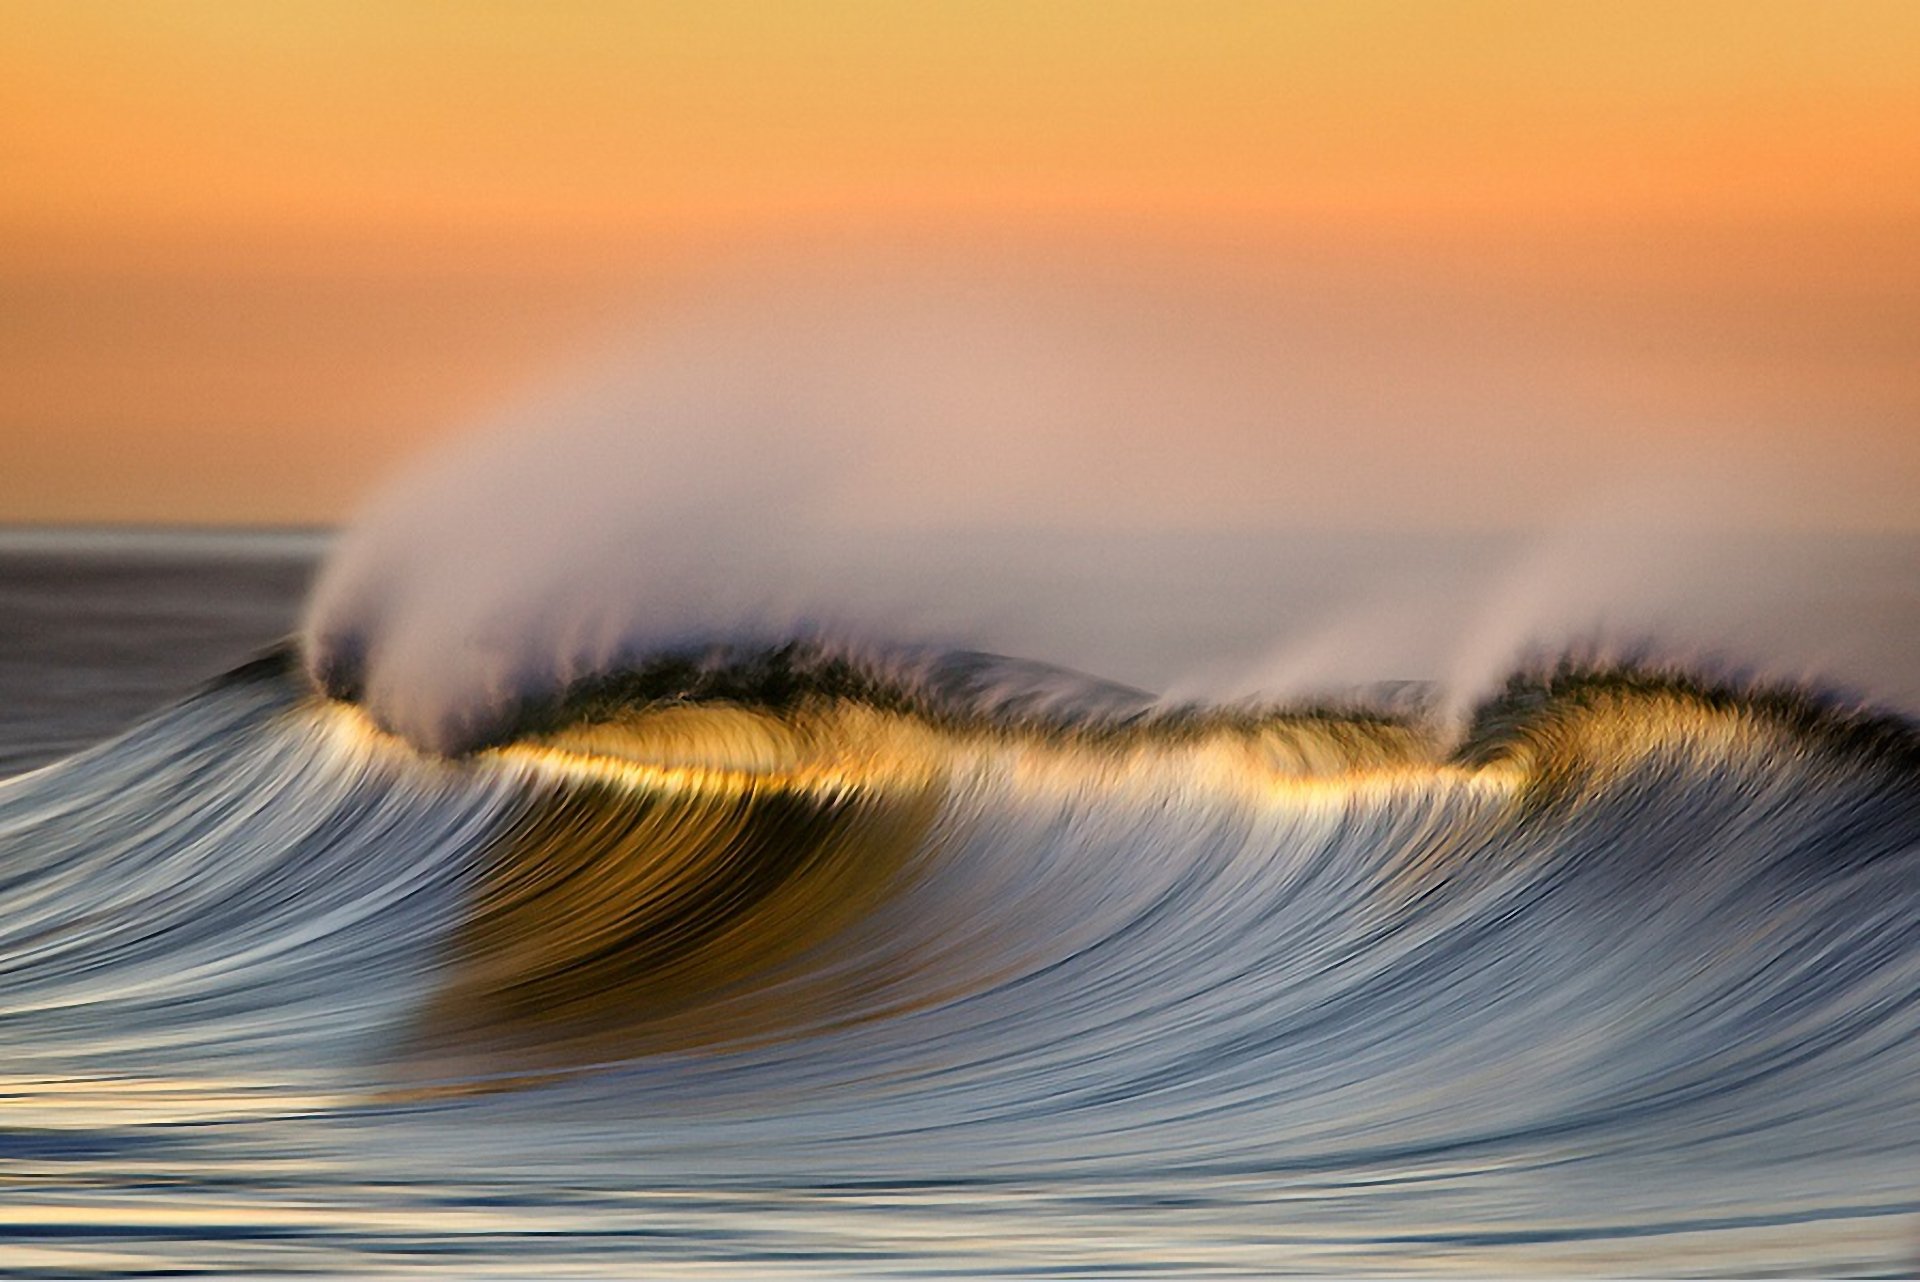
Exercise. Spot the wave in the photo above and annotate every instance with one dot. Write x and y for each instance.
(903, 919)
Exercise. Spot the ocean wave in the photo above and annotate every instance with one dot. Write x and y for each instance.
(818, 918)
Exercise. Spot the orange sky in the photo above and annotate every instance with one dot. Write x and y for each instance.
(251, 253)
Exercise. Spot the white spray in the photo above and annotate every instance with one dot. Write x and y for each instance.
(1170, 487)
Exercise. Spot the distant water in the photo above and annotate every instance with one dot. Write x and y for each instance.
(98, 628)
(781, 961)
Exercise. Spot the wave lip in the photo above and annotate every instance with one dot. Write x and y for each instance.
(1585, 721)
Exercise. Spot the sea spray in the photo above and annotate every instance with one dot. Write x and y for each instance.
(1114, 481)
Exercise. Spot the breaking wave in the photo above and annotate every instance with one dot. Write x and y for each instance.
(1623, 979)
(646, 854)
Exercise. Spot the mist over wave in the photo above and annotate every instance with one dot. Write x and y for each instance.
(1103, 478)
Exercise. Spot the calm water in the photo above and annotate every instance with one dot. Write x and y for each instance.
(97, 630)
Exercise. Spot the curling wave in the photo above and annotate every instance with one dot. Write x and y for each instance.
(1623, 979)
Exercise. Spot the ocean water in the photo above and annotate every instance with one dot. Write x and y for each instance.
(767, 959)
(100, 628)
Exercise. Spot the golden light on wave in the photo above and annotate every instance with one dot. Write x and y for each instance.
(831, 750)
(837, 747)
(692, 876)
(679, 870)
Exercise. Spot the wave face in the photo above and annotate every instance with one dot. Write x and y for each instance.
(785, 962)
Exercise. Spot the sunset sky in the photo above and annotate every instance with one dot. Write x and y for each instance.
(251, 254)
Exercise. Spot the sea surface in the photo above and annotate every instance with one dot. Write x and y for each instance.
(782, 960)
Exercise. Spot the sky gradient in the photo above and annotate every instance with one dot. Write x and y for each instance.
(251, 255)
